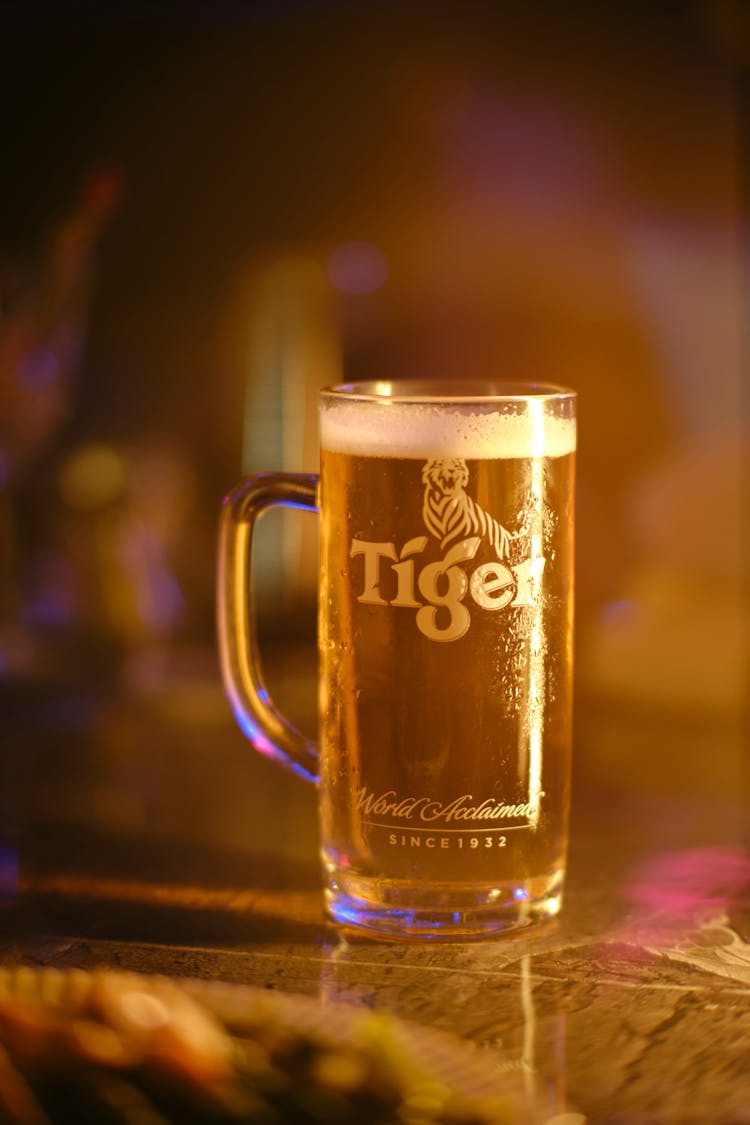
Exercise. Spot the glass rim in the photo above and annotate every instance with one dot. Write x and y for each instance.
(447, 391)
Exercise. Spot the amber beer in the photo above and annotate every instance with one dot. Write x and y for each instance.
(446, 661)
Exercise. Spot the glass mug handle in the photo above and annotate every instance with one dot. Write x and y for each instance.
(270, 732)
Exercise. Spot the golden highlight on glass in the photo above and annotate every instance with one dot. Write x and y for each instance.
(445, 636)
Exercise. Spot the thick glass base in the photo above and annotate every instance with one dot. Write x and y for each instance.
(400, 910)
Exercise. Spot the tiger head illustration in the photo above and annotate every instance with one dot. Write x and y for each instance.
(450, 514)
(446, 475)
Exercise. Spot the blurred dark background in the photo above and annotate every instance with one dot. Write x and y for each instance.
(210, 210)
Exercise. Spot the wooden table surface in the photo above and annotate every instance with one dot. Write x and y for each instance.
(144, 834)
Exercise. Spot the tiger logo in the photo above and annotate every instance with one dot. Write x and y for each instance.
(451, 514)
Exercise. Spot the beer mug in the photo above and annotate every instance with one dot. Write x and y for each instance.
(445, 635)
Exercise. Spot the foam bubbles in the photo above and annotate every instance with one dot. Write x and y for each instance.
(421, 430)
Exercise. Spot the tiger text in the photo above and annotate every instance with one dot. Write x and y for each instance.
(443, 585)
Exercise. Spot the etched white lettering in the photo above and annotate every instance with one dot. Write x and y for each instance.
(389, 803)
(454, 583)
(373, 552)
(528, 580)
(491, 586)
(404, 572)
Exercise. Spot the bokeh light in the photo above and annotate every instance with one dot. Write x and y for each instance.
(38, 369)
(357, 267)
(92, 476)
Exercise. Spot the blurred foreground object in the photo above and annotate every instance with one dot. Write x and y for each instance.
(83, 1046)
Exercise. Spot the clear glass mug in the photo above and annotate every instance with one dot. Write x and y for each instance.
(445, 643)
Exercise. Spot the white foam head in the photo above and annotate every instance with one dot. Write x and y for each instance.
(395, 428)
